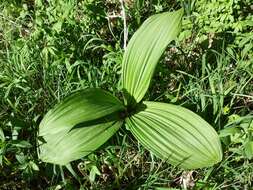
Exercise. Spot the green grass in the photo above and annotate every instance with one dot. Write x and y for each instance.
(48, 50)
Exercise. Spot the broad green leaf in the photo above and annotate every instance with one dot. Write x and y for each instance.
(82, 106)
(144, 51)
(229, 131)
(62, 148)
(248, 149)
(176, 134)
(78, 125)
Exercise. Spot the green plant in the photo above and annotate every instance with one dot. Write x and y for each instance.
(88, 118)
(210, 22)
(237, 136)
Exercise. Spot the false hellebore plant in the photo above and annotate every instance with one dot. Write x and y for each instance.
(85, 120)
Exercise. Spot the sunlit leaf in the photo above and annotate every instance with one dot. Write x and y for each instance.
(176, 134)
(248, 149)
(62, 148)
(84, 105)
(78, 125)
(229, 131)
(144, 51)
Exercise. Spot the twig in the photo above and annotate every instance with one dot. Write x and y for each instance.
(125, 23)
(113, 16)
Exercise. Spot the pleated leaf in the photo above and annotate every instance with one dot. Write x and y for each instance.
(177, 135)
(144, 51)
(78, 125)
(62, 148)
(82, 106)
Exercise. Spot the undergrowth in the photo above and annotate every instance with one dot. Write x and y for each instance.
(49, 49)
